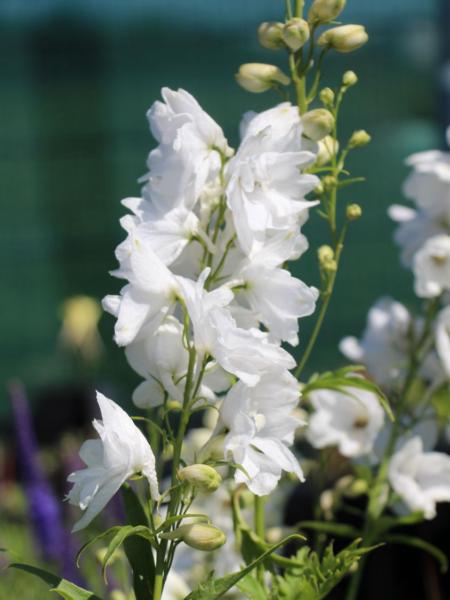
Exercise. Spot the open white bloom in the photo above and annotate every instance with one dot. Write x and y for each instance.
(266, 189)
(420, 478)
(247, 353)
(148, 297)
(189, 155)
(414, 229)
(432, 267)
(261, 426)
(383, 346)
(350, 419)
(443, 338)
(121, 452)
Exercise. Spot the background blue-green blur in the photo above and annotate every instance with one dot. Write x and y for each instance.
(76, 80)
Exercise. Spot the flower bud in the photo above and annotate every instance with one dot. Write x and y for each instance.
(327, 96)
(269, 35)
(174, 405)
(319, 189)
(325, 254)
(353, 212)
(344, 38)
(324, 11)
(200, 536)
(359, 138)
(328, 147)
(317, 123)
(329, 182)
(349, 78)
(259, 77)
(202, 477)
(295, 34)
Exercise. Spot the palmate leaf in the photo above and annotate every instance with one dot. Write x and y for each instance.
(216, 588)
(66, 589)
(314, 578)
(342, 379)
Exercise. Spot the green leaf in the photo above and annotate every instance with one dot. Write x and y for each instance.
(66, 589)
(385, 523)
(172, 520)
(341, 380)
(119, 538)
(337, 529)
(314, 578)
(216, 588)
(137, 549)
(415, 542)
(441, 402)
(252, 589)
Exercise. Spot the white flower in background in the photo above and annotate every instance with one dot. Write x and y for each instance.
(414, 229)
(261, 426)
(428, 185)
(190, 151)
(443, 339)
(383, 347)
(266, 189)
(432, 267)
(175, 587)
(121, 452)
(247, 353)
(421, 479)
(349, 419)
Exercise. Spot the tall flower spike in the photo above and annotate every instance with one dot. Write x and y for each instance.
(121, 452)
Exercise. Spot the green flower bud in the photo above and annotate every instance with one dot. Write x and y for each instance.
(317, 123)
(329, 182)
(200, 536)
(295, 34)
(325, 254)
(344, 38)
(353, 212)
(327, 96)
(202, 477)
(319, 189)
(324, 11)
(269, 35)
(349, 78)
(259, 77)
(359, 138)
(328, 147)
(174, 405)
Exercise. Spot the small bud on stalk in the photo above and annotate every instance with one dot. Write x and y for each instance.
(269, 35)
(317, 123)
(349, 78)
(344, 38)
(329, 182)
(328, 147)
(200, 536)
(325, 255)
(359, 138)
(327, 96)
(353, 212)
(324, 11)
(295, 34)
(202, 477)
(260, 77)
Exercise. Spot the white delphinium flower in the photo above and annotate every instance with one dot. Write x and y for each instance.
(261, 426)
(432, 267)
(265, 187)
(190, 152)
(442, 336)
(414, 229)
(247, 353)
(175, 587)
(121, 452)
(349, 419)
(383, 347)
(421, 479)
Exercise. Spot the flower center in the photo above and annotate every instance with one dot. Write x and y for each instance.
(360, 422)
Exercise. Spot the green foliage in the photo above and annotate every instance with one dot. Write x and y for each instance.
(416, 542)
(314, 578)
(441, 402)
(66, 589)
(342, 379)
(216, 588)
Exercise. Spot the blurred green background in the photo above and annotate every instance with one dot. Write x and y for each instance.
(76, 80)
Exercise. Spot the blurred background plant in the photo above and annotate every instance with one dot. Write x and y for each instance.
(77, 78)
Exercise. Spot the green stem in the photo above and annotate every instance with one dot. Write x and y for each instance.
(299, 7)
(326, 297)
(259, 517)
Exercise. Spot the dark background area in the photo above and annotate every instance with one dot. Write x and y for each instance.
(76, 80)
